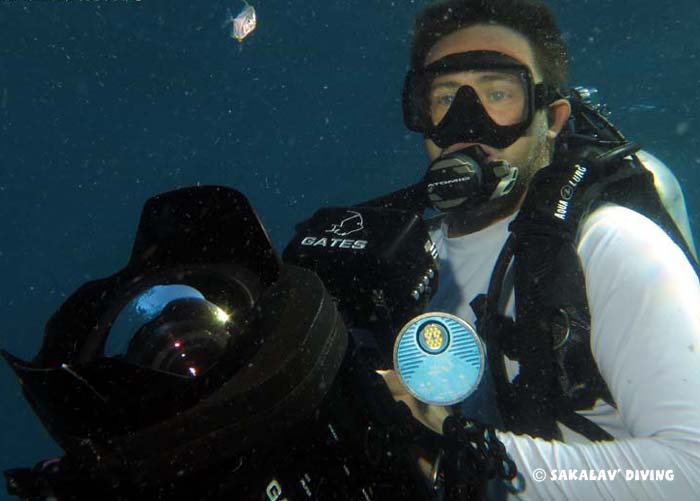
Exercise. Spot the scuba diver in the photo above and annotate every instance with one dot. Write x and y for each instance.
(543, 269)
(568, 248)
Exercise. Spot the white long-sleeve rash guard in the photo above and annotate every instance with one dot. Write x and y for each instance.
(644, 300)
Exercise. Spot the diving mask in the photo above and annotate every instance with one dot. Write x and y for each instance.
(473, 97)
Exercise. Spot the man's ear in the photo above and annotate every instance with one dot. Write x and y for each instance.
(558, 113)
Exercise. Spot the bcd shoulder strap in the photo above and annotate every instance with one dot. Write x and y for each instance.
(550, 338)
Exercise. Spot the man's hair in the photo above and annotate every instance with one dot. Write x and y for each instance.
(530, 18)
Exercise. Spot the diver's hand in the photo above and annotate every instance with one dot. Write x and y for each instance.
(431, 416)
(467, 453)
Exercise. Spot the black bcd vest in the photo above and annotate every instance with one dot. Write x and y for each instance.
(550, 337)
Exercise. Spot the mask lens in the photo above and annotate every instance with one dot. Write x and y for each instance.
(502, 94)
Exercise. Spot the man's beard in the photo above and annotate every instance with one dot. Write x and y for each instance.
(539, 157)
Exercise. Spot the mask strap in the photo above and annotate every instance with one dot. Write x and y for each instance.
(545, 95)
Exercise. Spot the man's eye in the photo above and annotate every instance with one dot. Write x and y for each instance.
(497, 96)
(445, 99)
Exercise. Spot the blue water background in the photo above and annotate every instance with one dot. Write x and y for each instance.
(105, 103)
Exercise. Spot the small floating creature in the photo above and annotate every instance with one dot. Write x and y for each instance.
(244, 23)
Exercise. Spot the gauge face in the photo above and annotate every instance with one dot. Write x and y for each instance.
(439, 358)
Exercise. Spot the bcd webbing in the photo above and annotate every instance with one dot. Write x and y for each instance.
(550, 337)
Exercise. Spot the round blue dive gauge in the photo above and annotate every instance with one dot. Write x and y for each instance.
(439, 358)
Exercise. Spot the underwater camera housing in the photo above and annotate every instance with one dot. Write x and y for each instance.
(379, 263)
(250, 386)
